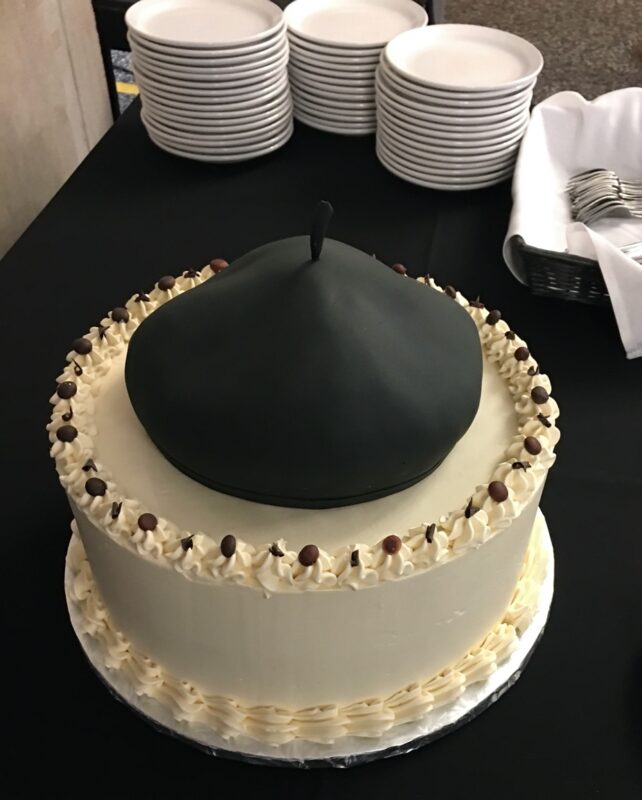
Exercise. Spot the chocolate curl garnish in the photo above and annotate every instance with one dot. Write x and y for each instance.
(90, 464)
(115, 510)
(322, 216)
(77, 367)
(141, 297)
(187, 543)
(533, 370)
(102, 330)
(470, 509)
(354, 558)
(68, 414)
(509, 335)
(543, 418)
(477, 303)
(430, 532)
(276, 551)
(521, 465)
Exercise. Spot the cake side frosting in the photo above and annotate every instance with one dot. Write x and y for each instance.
(368, 717)
(273, 566)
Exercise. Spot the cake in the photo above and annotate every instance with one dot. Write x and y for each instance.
(305, 491)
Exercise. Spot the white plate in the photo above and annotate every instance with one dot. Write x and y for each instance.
(340, 50)
(331, 79)
(218, 127)
(163, 59)
(445, 175)
(333, 127)
(440, 185)
(228, 104)
(333, 62)
(446, 131)
(197, 53)
(363, 93)
(204, 23)
(241, 117)
(433, 164)
(339, 94)
(236, 78)
(334, 104)
(465, 57)
(334, 115)
(334, 70)
(230, 148)
(216, 138)
(464, 157)
(222, 158)
(357, 23)
(193, 58)
(241, 90)
(439, 147)
(209, 73)
(414, 91)
(403, 118)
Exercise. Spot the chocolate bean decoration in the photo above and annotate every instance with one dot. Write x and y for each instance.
(539, 395)
(532, 445)
(66, 433)
(309, 555)
(217, 264)
(191, 273)
(493, 317)
(391, 544)
(120, 314)
(497, 491)
(66, 390)
(166, 283)
(141, 297)
(147, 522)
(509, 335)
(81, 346)
(95, 487)
(228, 545)
(399, 268)
(450, 291)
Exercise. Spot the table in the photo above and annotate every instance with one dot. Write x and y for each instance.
(130, 213)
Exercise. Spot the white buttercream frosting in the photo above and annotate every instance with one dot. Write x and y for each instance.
(255, 565)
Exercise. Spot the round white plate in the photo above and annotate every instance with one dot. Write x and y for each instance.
(446, 114)
(433, 164)
(402, 88)
(236, 78)
(400, 117)
(334, 103)
(467, 157)
(196, 53)
(331, 79)
(436, 184)
(220, 149)
(242, 90)
(445, 175)
(204, 23)
(225, 158)
(206, 58)
(426, 179)
(334, 70)
(229, 106)
(333, 127)
(360, 93)
(214, 73)
(334, 115)
(218, 127)
(340, 50)
(357, 23)
(215, 137)
(241, 118)
(334, 62)
(465, 57)
(449, 147)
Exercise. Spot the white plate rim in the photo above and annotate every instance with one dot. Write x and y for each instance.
(331, 116)
(185, 137)
(439, 183)
(464, 156)
(205, 63)
(247, 87)
(221, 159)
(457, 30)
(293, 22)
(210, 73)
(324, 58)
(200, 117)
(132, 19)
(329, 127)
(331, 80)
(225, 149)
(332, 89)
(472, 132)
(332, 104)
(230, 81)
(204, 52)
(440, 148)
(252, 100)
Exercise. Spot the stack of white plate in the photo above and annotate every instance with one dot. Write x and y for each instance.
(453, 104)
(335, 47)
(212, 76)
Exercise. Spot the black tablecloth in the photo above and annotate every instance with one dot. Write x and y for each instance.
(571, 726)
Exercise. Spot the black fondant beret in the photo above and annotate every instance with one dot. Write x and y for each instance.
(306, 383)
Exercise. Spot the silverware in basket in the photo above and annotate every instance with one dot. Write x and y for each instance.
(598, 193)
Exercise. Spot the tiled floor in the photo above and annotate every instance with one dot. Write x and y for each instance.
(589, 47)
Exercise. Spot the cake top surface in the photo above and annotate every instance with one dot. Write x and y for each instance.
(308, 374)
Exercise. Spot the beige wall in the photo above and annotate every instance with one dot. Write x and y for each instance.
(53, 103)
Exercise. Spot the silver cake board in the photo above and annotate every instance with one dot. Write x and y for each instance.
(350, 750)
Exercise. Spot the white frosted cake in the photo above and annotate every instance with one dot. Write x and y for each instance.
(275, 623)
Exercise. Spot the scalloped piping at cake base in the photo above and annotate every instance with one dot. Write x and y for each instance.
(325, 724)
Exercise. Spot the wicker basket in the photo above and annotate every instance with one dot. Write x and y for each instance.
(552, 274)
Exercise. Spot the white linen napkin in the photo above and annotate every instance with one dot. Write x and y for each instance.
(566, 135)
